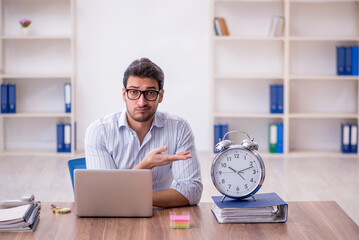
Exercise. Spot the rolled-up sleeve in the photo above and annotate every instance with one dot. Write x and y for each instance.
(187, 174)
(97, 155)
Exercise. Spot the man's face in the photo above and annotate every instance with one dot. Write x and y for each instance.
(141, 110)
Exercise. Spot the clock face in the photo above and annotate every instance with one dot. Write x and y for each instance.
(237, 172)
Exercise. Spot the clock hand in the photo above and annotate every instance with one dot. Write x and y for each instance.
(236, 172)
(233, 169)
(245, 169)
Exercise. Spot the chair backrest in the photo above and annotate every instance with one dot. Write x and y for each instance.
(78, 163)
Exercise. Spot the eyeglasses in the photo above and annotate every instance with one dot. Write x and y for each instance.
(134, 94)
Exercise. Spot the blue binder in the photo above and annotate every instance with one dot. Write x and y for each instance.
(345, 138)
(354, 138)
(60, 137)
(67, 137)
(280, 138)
(280, 104)
(217, 134)
(355, 60)
(341, 60)
(348, 61)
(12, 98)
(273, 99)
(4, 98)
(67, 97)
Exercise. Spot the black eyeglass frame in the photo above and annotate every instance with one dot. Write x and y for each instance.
(142, 92)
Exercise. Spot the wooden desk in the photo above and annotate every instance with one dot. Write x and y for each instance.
(306, 220)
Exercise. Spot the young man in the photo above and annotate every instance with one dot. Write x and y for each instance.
(140, 137)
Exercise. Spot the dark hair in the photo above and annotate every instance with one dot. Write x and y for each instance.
(144, 68)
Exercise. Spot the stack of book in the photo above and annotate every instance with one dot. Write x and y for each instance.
(20, 219)
(220, 27)
(266, 207)
(277, 26)
(347, 60)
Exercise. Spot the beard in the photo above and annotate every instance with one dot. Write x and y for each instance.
(142, 116)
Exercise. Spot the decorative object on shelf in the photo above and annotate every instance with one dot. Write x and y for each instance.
(25, 26)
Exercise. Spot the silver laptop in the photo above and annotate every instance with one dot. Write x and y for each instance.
(113, 193)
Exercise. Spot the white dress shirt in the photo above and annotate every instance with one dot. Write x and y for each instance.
(111, 144)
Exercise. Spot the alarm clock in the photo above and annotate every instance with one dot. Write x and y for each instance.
(237, 170)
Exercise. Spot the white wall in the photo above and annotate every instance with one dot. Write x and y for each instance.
(173, 34)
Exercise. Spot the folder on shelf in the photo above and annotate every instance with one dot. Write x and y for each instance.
(341, 60)
(345, 138)
(67, 137)
(273, 138)
(354, 138)
(12, 98)
(273, 99)
(348, 61)
(219, 131)
(279, 95)
(60, 137)
(267, 207)
(4, 98)
(280, 138)
(67, 95)
(355, 60)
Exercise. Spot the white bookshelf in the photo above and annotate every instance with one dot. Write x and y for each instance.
(39, 63)
(246, 63)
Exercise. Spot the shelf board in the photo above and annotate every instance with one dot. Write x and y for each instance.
(246, 115)
(323, 77)
(323, 1)
(247, 38)
(36, 37)
(324, 115)
(37, 115)
(34, 153)
(335, 38)
(35, 75)
(335, 154)
(248, 1)
(248, 76)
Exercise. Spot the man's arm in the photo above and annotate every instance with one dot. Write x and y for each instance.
(169, 198)
(97, 156)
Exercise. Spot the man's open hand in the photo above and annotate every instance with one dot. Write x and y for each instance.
(157, 158)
